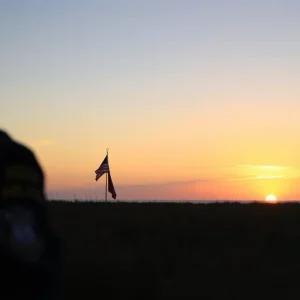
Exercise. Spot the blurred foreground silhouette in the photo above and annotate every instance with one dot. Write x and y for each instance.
(30, 254)
(179, 251)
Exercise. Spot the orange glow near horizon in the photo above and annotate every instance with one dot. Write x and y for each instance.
(225, 187)
(150, 173)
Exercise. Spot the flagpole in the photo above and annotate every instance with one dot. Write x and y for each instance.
(106, 189)
(106, 178)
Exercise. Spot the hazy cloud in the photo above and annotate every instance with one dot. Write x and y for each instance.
(260, 177)
(264, 172)
(263, 167)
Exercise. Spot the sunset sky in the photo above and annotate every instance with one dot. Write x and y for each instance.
(195, 99)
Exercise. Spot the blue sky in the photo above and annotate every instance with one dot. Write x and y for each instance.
(72, 71)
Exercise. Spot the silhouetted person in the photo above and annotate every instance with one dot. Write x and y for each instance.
(30, 256)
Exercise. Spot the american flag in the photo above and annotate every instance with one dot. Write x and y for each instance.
(102, 169)
(111, 188)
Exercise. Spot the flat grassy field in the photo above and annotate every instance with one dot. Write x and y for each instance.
(179, 251)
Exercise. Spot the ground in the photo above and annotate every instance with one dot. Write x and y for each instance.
(179, 251)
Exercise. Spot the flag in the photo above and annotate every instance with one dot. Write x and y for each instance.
(111, 188)
(103, 169)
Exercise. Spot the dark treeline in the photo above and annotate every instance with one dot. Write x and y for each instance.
(179, 251)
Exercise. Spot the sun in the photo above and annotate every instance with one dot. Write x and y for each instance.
(271, 198)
